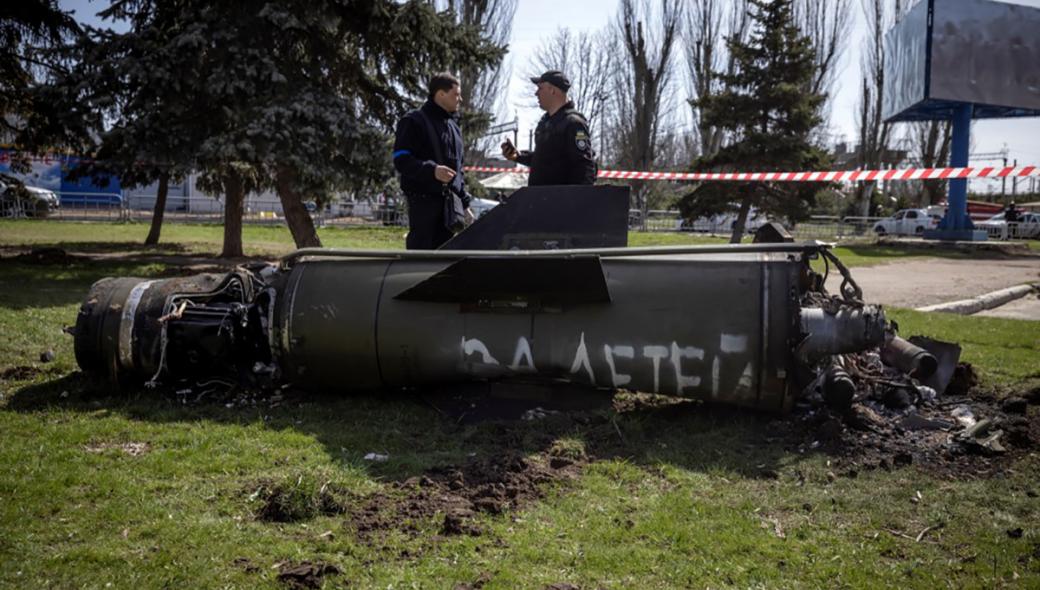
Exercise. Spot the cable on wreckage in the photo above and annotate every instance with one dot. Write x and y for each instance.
(172, 311)
(850, 291)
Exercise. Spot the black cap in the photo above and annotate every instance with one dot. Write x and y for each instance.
(556, 78)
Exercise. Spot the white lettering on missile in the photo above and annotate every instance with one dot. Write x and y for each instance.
(581, 360)
(732, 343)
(656, 353)
(729, 344)
(474, 345)
(745, 379)
(679, 353)
(715, 376)
(523, 351)
(618, 379)
(523, 361)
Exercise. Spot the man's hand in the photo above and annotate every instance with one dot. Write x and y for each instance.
(469, 216)
(444, 174)
(509, 150)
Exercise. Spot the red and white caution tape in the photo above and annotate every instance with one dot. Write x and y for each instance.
(829, 176)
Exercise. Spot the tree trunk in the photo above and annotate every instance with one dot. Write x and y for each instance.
(296, 216)
(234, 207)
(741, 222)
(159, 211)
(935, 154)
(866, 195)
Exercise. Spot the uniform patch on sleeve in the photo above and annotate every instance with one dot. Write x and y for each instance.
(581, 140)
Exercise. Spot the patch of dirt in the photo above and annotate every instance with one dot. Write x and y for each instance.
(47, 257)
(134, 449)
(457, 493)
(246, 565)
(477, 584)
(305, 574)
(20, 373)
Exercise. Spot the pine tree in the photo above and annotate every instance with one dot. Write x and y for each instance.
(299, 97)
(769, 109)
(32, 33)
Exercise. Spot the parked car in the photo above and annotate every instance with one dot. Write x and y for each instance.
(906, 222)
(1028, 226)
(480, 207)
(724, 222)
(21, 200)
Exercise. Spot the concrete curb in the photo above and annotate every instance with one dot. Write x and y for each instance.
(982, 302)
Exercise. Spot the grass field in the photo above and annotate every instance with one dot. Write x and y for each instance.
(133, 489)
(275, 241)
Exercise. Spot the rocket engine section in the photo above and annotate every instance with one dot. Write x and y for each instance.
(731, 324)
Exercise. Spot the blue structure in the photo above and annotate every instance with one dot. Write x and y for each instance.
(960, 60)
(957, 225)
(52, 173)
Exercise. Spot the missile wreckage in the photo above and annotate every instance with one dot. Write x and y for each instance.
(540, 288)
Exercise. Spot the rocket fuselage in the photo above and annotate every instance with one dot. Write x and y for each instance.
(715, 326)
(718, 323)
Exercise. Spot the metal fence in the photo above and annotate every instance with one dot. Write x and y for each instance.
(83, 206)
(1012, 231)
(817, 227)
(79, 206)
(140, 208)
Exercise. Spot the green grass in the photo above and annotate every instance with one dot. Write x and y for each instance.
(257, 240)
(870, 254)
(178, 238)
(675, 497)
(275, 241)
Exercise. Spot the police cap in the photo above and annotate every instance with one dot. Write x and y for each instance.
(556, 78)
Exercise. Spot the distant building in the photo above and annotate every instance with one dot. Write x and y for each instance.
(847, 157)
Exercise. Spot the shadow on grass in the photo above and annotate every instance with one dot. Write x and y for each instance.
(26, 284)
(423, 430)
(109, 247)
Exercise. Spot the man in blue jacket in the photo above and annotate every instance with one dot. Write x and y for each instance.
(431, 173)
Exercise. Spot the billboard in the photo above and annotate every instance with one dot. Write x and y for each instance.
(52, 172)
(947, 52)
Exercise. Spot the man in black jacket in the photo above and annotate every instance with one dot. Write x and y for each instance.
(562, 144)
(428, 171)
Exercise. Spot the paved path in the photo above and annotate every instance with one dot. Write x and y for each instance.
(925, 281)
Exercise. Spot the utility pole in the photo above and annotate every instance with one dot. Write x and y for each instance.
(1003, 185)
(1014, 182)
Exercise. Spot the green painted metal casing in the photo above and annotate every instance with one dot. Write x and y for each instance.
(716, 325)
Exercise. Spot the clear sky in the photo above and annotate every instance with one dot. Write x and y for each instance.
(536, 20)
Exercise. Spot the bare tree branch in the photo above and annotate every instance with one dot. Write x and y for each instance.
(483, 89)
(874, 134)
(827, 23)
(648, 44)
(708, 25)
(587, 59)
